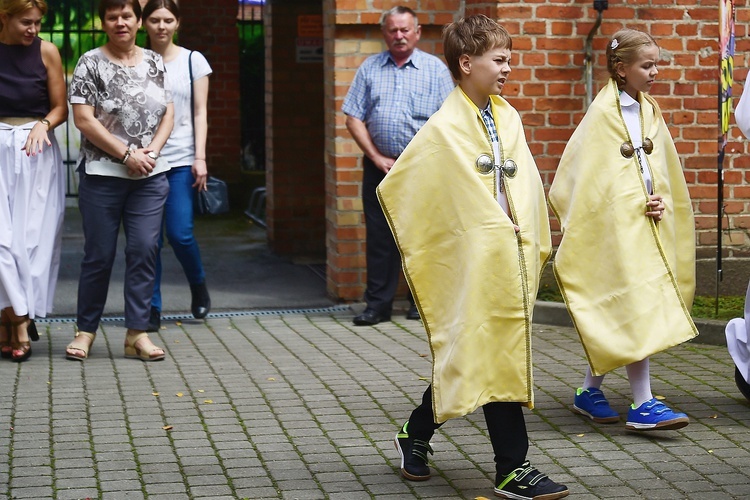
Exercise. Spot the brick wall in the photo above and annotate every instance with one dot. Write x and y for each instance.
(352, 34)
(547, 87)
(210, 27)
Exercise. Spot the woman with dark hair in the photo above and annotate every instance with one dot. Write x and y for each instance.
(32, 181)
(185, 150)
(122, 105)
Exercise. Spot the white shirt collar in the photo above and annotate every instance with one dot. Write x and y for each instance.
(626, 100)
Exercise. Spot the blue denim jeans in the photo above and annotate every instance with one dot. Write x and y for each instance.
(178, 222)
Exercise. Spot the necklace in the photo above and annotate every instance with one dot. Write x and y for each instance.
(128, 60)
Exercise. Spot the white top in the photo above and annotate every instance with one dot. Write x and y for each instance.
(631, 113)
(180, 148)
(742, 113)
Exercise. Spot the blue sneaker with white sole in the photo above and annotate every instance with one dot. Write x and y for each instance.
(592, 403)
(653, 415)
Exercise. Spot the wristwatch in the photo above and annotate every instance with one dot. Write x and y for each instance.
(152, 155)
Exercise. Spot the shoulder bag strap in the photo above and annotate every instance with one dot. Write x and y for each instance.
(192, 97)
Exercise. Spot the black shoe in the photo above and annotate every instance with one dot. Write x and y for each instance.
(370, 317)
(154, 320)
(201, 303)
(33, 332)
(413, 455)
(527, 483)
(412, 313)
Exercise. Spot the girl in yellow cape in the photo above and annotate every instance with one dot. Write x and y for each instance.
(626, 262)
(466, 206)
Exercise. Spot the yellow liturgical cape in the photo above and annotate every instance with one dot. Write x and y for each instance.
(473, 278)
(627, 280)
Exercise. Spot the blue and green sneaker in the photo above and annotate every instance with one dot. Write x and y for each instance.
(413, 455)
(653, 415)
(592, 403)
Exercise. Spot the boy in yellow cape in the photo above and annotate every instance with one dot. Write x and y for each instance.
(466, 206)
(626, 262)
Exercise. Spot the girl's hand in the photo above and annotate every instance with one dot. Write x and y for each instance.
(655, 207)
(36, 140)
(200, 173)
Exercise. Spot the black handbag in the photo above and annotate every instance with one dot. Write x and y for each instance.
(215, 199)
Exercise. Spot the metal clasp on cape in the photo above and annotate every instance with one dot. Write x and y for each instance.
(627, 150)
(485, 165)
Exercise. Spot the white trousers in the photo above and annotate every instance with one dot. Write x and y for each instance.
(32, 205)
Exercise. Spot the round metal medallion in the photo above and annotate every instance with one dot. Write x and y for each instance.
(510, 168)
(627, 150)
(484, 164)
(648, 145)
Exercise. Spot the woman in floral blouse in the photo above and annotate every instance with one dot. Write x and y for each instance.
(122, 106)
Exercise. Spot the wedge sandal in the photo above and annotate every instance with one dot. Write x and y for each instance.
(80, 346)
(149, 353)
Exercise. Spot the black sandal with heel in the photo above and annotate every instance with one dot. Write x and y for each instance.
(21, 350)
(6, 350)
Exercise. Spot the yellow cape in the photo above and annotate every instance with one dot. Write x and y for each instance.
(627, 280)
(473, 278)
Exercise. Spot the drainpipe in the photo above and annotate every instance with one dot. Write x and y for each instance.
(600, 6)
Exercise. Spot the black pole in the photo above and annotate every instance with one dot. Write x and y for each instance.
(720, 213)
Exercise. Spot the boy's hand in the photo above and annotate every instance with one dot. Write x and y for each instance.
(655, 207)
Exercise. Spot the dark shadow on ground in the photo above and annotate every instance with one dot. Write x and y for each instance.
(241, 272)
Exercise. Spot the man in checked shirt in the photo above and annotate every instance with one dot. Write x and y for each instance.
(392, 96)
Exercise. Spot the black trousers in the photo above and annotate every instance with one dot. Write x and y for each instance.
(505, 424)
(383, 258)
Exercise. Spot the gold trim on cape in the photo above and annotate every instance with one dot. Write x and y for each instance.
(473, 278)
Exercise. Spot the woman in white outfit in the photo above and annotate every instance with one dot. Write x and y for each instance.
(32, 180)
(188, 74)
(738, 329)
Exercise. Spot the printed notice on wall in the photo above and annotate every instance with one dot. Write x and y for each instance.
(309, 39)
(310, 26)
(309, 50)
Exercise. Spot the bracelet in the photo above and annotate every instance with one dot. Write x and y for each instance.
(199, 159)
(46, 122)
(128, 154)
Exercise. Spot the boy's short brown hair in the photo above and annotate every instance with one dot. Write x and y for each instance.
(472, 36)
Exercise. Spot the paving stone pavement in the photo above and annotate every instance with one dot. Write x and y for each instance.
(305, 406)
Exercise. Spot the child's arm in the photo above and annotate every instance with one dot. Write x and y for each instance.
(655, 207)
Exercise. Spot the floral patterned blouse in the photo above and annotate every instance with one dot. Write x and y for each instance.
(129, 101)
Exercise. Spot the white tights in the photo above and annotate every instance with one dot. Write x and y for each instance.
(638, 376)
